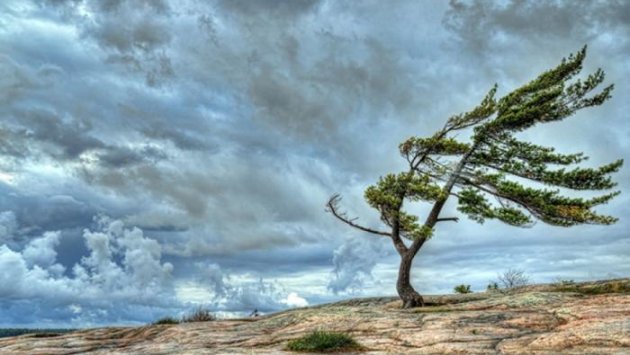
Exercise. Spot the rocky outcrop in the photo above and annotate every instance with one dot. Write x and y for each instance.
(591, 318)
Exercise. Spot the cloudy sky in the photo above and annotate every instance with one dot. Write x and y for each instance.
(157, 155)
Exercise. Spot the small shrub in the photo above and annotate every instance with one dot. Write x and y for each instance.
(462, 289)
(617, 287)
(596, 289)
(166, 320)
(199, 315)
(513, 278)
(565, 282)
(322, 341)
(492, 286)
(45, 335)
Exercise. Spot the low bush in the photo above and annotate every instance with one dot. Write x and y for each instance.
(167, 320)
(512, 278)
(462, 289)
(46, 335)
(322, 341)
(199, 315)
(562, 282)
(594, 289)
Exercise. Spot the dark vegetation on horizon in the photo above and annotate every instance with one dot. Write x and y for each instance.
(199, 314)
(11, 332)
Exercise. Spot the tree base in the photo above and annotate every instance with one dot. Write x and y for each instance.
(412, 301)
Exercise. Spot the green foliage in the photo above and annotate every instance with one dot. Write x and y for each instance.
(476, 207)
(503, 148)
(424, 232)
(486, 167)
(529, 161)
(492, 287)
(387, 197)
(166, 320)
(498, 155)
(200, 314)
(548, 206)
(463, 289)
(433, 145)
(322, 341)
(547, 98)
(486, 108)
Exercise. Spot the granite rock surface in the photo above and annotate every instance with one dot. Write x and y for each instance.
(586, 318)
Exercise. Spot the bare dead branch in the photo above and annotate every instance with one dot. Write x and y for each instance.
(333, 207)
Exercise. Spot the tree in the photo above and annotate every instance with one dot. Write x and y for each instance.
(492, 286)
(463, 289)
(513, 278)
(493, 175)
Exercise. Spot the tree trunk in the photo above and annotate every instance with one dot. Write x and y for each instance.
(406, 292)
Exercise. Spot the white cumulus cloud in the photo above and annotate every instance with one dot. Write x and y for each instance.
(122, 270)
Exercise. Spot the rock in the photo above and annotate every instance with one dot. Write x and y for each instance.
(587, 318)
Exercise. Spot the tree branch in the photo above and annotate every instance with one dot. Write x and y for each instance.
(332, 207)
(453, 219)
(499, 197)
(413, 164)
(433, 216)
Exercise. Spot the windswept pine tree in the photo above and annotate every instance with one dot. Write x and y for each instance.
(493, 175)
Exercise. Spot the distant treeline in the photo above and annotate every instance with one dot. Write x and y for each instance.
(11, 332)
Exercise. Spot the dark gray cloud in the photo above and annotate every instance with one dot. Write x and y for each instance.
(40, 133)
(482, 25)
(62, 140)
(282, 8)
(220, 129)
(184, 140)
(132, 35)
(117, 157)
(8, 226)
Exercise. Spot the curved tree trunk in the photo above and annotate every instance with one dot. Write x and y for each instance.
(406, 292)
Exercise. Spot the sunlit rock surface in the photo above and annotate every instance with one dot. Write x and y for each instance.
(587, 318)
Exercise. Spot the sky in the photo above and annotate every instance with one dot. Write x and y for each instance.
(160, 155)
